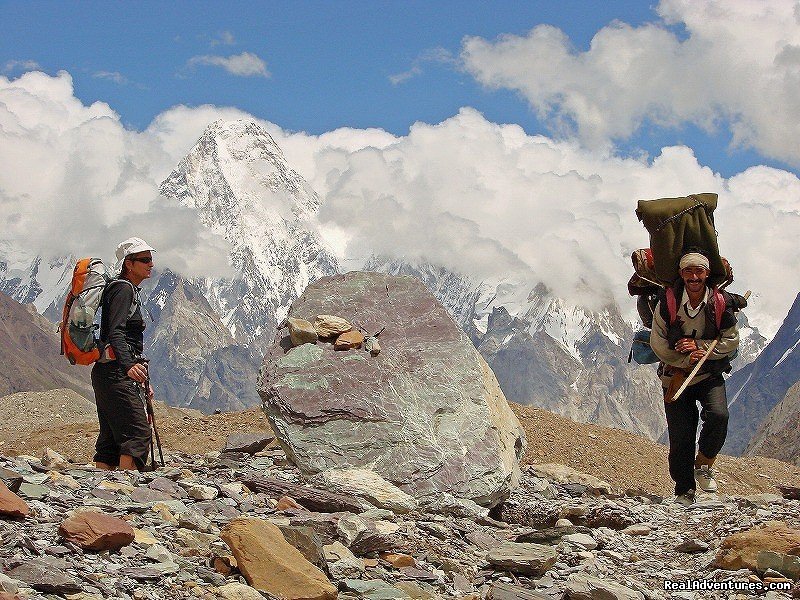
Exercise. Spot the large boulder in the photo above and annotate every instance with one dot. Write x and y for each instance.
(427, 413)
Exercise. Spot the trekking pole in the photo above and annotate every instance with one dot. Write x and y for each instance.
(155, 429)
(152, 414)
(701, 361)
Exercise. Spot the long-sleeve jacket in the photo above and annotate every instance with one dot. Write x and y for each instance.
(703, 328)
(125, 334)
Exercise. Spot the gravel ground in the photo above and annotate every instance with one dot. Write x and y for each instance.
(29, 424)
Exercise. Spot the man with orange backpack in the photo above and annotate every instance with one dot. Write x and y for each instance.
(117, 376)
(694, 322)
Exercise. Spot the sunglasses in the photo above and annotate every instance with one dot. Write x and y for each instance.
(142, 259)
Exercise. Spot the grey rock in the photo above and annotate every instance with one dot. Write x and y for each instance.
(586, 587)
(249, 442)
(44, 577)
(450, 430)
(32, 491)
(447, 504)
(146, 495)
(12, 479)
(692, 545)
(527, 559)
(195, 522)
(785, 564)
(367, 484)
(374, 589)
(8, 585)
(499, 590)
(582, 540)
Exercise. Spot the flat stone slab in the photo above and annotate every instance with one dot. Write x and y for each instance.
(527, 559)
(44, 577)
(586, 587)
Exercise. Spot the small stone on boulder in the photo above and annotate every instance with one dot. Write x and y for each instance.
(54, 461)
(301, 331)
(564, 474)
(350, 340)
(328, 326)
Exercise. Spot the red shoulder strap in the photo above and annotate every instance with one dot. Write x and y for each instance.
(672, 305)
(719, 306)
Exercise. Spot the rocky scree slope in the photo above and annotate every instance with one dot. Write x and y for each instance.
(562, 534)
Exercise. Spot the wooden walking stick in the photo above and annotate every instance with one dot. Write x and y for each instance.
(701, 361)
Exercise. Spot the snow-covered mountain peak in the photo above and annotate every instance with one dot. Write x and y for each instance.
(243, 189)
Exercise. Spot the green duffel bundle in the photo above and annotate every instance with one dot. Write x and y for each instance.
(677, 224)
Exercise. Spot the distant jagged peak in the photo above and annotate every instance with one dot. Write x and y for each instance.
(244, 138)
(236, 169)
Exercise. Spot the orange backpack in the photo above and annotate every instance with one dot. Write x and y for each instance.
(78, 342)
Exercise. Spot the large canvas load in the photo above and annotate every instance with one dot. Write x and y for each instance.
(677, 224)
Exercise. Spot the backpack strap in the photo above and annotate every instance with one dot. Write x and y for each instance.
(136, 300)
(719, 306)
(672, 305)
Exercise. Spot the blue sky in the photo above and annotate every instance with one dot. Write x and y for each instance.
(326, 64)
(517, 131)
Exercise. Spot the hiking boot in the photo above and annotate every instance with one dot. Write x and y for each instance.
(704, 476)
(686, 499)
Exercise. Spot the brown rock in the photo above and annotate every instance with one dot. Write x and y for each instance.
(270, 564)
(301, 331)
(740, 550)
(286, 503)
(9, 596)
(12, 505)
(224, 564)
(328, 326)
(96, 531)
(349, 340)
(398, 561)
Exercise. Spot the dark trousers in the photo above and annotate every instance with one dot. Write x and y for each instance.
(682, 419)
(124, 428)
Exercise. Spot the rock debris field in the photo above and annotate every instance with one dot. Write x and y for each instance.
(241, 523)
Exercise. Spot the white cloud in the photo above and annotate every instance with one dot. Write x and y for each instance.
(477, 197)
(21, 65)
(225, 38)
(431, 55)
(492, 201)
(114, 76)
(74, 180)
(245, 64)
(739, 66)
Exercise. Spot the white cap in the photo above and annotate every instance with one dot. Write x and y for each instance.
(132, 246)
